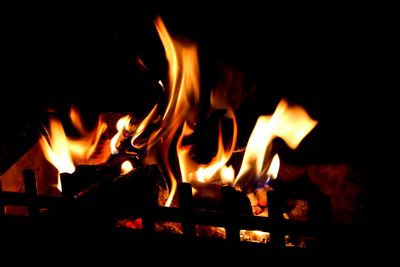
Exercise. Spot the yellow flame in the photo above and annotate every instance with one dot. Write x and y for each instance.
(227, 175)
(126, 167)
(63, 151)
(193, 171)
(273, 169)
(255, 150)
(181, 112)
(129, 129)
(216, 168)
(184, 83)
(186, 164)
(151, 117)
(56, 150)
(183, 96)
(291, 123)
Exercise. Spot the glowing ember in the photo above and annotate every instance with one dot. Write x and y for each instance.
(254, 236)
(126, 167)
(63, 151)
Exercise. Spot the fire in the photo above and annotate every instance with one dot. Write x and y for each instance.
(273, 169)
(183, 96)
(227, 175)
(291, 123)
(63, 151)
(216, 169)
(178, 121)
(122, 127)
(128, 127)
(56, 150)
(126, 167)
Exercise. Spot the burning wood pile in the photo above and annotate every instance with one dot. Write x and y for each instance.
(184, 153)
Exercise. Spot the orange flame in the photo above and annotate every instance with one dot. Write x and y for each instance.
(122, 126)
(192, 171)
(150, 118)
(291, 123)
(183, 97)
(216, 168)
(64, 152)
(129, 129)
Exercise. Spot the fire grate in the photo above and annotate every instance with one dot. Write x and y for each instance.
(230, 218)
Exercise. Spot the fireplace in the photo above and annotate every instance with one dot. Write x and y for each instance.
(328, 157)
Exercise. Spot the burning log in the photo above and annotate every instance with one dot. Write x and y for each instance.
(95, 194)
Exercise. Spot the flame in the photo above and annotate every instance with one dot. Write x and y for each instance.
(216, 168)
(273, 169)
(204, 173)
(128, 127)
(183, 96)
(184, 73)
(291, 123)
(122, 125)
(63, 151)
(227, 175)
(58, 152)
(126, 167)
(151, 117)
